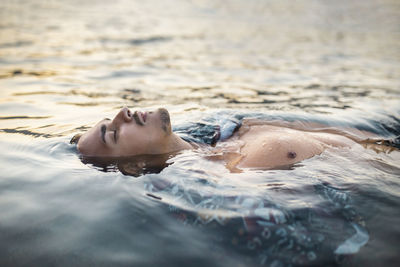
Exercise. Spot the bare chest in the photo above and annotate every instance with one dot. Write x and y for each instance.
(271, 147)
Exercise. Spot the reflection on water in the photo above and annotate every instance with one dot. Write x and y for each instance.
(66, 64)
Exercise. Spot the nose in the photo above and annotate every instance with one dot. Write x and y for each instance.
(124, 115)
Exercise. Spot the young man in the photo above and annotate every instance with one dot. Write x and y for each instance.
(255, 143)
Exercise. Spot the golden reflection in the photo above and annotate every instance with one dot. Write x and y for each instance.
(381, 146)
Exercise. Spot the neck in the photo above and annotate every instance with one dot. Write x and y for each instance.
(177, 144)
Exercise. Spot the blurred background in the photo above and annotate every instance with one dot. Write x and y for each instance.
(66, 64)
(60, 60)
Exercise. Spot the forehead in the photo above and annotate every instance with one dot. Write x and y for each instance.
(90, 143)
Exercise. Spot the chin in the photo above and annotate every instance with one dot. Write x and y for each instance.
(165, 120)
(163, 110)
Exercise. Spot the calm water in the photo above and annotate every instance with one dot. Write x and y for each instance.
(66, 64)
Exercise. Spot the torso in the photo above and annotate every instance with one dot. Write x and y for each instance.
(268, 146)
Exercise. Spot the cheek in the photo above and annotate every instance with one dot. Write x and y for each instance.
(133, 141)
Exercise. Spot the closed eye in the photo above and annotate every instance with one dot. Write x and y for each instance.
(115, 136)
(103, 133)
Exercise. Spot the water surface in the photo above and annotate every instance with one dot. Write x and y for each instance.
(66, 64)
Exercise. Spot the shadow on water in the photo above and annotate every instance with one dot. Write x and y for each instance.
(27, 132)
(19, 72)
(23, 117)
(133, 166)
(138, 41)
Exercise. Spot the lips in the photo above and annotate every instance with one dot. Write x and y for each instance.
(144, 116)
(140, 117)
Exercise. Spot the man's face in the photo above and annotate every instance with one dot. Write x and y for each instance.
(128, 134)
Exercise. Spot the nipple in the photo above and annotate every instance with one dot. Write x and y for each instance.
(291, 154)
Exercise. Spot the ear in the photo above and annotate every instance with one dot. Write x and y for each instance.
(75, 139)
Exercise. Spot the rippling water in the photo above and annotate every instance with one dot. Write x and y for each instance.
(66, 64)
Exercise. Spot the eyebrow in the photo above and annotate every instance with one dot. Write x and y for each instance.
(103, 129)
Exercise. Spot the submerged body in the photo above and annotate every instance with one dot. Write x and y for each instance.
(269, 146)
(255, 144)
(277, 144)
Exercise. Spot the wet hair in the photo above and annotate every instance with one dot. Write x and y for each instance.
(75, 139)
